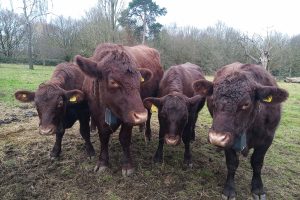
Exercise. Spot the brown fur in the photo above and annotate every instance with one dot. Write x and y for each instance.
(178, 107)
(118, 71)
(55, 111)
(238, 105)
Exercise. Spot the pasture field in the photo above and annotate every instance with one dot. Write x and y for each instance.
(27, 172)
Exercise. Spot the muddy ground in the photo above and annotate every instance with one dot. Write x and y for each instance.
(27, 172)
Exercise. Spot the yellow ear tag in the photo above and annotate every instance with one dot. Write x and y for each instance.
(73, 99)
(268, 99)
(142, 79)
(154, 108)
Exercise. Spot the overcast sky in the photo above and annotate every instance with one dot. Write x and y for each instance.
(251, 16)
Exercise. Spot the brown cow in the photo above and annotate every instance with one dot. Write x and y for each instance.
(178, 108)
(60, 103)
(244, 101)
(125, 76)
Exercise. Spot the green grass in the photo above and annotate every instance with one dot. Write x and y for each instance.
(18, 77)
(26, 172)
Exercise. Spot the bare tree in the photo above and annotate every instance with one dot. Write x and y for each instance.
(32, 10)
(258, 48)
(64, 32)
(11, 32)
(111, 10)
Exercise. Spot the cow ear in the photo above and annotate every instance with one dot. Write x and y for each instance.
(74, 96)
(195, 99)
(88, 66)
(203, 87)
(25, 96)
(146, 74)
(271, 94)
(150, 102)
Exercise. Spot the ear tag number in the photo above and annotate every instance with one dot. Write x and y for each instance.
(268, 99)
(142, 80)
(154, 108)
(73, 99)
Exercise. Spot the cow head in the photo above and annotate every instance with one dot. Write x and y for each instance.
(234, 102)
(119, 82)
(173, 113)
(50, 102)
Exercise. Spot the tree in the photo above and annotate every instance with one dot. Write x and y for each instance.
(111, 9)
(143, 13)
(32, 10)
(64, 32)
(11, 32)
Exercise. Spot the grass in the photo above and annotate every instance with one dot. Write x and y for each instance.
(26, 172)
(17, 77)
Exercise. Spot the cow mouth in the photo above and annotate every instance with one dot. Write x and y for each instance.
(46, 130)
(220, 139)
(172, 140)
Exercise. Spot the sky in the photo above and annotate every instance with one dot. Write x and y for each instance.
(251, 16)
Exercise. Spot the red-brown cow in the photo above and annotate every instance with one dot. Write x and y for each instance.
(178, 108)
(244, 101)
(60, 103)
(125, 76)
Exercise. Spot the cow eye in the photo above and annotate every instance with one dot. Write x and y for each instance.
(246, 106)
(60, 104)
(113, 83)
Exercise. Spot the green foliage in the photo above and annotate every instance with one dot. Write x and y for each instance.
(141, 16)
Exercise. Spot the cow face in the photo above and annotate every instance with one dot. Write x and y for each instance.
(173, 114)
(50, 102)
(120, 84)
(234, 103)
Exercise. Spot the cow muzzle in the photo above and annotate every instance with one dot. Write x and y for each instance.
(173, 140)
(220, 139)
(50, 130)
(138, 117)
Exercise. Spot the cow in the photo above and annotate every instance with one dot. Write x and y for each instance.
(244, 101)
(125, 75)
(60, 102)
(178, 108)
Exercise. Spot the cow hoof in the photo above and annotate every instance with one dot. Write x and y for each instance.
(90, 152)
(100, 169)
(54, 155)
(224, 197)
(259, 196)
(127, 172)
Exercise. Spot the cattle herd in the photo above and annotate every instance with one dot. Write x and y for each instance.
(119, 86)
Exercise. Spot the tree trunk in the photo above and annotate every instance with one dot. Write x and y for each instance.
(292, 80)
(144, 29)
(112, 19)
(30, 60)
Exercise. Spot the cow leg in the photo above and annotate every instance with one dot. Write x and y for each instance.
(187, 136)
(148, 128)
(56, 150)
(195, 112)
(232, 163)
(158, 157)
(85, 133)
(125, 140)
(257, 159)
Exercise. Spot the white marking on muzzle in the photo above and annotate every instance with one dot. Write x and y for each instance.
(218, 139)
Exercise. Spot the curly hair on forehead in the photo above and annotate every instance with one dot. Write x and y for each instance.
(113, 55)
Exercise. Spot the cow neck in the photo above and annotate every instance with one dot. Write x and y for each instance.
(109, 118)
